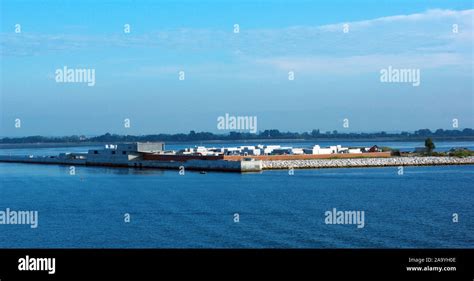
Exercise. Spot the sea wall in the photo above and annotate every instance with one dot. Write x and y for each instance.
(367, 162)
(41, 160)
(254, 166)
(193, 164)
(211, 165)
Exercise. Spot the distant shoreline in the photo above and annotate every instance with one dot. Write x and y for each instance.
(273, 135)
(75, 144)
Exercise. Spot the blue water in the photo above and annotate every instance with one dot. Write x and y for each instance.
(276, 210)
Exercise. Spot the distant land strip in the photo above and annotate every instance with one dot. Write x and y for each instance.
(466, 134)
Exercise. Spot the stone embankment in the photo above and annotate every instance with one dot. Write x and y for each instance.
(367, 162)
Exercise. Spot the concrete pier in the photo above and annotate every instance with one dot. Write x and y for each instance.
(41, 160)
(200, 165)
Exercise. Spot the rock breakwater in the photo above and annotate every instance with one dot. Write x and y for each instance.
(367, 162)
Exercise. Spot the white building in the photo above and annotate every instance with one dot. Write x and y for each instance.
(268, 149)
(231, 151)
(297, 151)
(250, 150)
(282, 151)
(326, 150)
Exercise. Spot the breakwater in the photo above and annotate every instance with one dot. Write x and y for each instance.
(189, 164)
(367, 162)
(251, 166)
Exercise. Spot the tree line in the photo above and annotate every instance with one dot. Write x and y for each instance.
(233, 136)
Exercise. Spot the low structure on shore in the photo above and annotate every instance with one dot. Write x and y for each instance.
(250, 150)
(139, 155)
(235, 159)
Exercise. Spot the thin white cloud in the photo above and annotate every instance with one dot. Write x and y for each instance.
(460, 17)
(421, 40)
(393, 34)
(360, 64)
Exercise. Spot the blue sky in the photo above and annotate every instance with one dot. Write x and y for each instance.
(337, 74)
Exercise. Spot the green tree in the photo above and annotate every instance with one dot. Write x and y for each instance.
(429, 144)
(315, 133)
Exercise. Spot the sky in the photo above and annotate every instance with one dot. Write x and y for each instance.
(335, 51)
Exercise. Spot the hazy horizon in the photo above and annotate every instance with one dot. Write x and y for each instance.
(227, 133)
